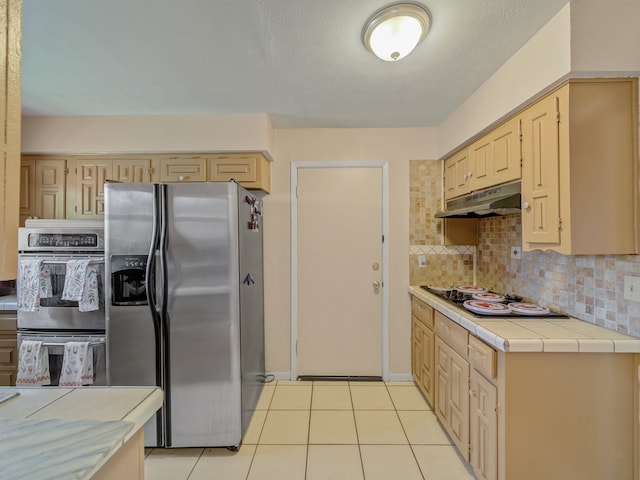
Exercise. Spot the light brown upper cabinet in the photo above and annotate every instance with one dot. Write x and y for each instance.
(10, 94)
(134, 169)
(457, 174)
(580, 169)
(72, 186)
(491, 160)
(43, 187)
(183, 168)
(495, 158)
(251, 170)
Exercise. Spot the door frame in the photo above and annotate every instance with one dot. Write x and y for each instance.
(295, 166)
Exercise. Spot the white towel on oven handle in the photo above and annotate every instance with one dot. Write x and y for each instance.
(81, 285)
(33, 364)
(34, 280)
(74, 279)
(90, 300)
(77, 365)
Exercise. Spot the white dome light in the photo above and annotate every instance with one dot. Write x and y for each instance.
(394, 31)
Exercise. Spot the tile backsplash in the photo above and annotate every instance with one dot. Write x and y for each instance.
(586, 287)
(442, 265)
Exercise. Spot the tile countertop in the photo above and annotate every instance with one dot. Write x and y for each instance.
(69, 433)
(534, 334)
(9, 302)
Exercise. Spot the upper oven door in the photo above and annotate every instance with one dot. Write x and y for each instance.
(57, 314)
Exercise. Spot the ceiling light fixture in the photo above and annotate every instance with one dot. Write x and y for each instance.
(393, 32)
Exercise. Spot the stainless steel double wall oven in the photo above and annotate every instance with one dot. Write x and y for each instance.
(58, 321)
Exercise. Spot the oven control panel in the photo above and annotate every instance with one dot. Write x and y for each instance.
(63, 240)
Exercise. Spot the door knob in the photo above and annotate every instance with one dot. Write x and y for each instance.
(376, 284)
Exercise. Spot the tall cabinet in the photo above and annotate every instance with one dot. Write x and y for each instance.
(10, 60)
(580, 169)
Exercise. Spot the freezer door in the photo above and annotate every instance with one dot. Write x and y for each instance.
(204, 346)
(131, 342)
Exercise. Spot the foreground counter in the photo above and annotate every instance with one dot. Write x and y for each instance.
(75, 433)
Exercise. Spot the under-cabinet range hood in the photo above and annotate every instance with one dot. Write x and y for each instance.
(500, 200)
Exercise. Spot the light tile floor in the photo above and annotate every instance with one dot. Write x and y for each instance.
(326, 431)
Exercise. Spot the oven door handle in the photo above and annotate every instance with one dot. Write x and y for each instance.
(62, 344)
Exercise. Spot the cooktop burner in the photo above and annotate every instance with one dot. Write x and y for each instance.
(457, 299)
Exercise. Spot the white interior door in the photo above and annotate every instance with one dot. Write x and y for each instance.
(339, 274)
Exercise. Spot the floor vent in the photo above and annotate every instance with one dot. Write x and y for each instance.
(338, 378)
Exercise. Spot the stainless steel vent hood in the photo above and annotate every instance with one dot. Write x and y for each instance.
(500, 200)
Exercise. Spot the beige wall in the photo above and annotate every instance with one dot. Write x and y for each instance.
(395, 146)
(162, 133)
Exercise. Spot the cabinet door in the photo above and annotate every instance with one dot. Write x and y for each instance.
(456, 174)
(251, 170)
(427, 364)
(183, 169)
(459, 402)
(50, 188)
(27, 189)
(416, 349)
(505, 153)
(133, 170)
(484, 427)
(91, 175)
(481, 160)
(540, 173)
(442, 381)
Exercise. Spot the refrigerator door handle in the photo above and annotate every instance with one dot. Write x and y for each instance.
(152, 299)
(164, 315)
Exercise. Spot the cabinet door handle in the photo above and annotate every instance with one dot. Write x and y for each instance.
(472, 393)
(525, 205)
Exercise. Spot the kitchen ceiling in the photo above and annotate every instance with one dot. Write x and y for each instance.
(300, 61)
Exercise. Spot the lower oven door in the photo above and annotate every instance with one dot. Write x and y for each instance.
(53, 313)
(55, 346)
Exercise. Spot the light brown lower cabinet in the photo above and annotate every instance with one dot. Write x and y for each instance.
(8, 349)
(452, 385)
(422, 363)
(483, 426)
(528, 416)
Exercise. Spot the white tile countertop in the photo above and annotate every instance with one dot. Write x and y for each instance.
(9, 302)
(69, 433)
(534, 334)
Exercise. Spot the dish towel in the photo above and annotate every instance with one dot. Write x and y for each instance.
(35, 283)
(77, 365)
(81, 285)
(33, 364)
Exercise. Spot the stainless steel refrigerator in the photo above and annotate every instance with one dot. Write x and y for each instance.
(184, 307)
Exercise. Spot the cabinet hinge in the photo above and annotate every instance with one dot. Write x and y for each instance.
(560, 223)
(497, 410)
(151, 171)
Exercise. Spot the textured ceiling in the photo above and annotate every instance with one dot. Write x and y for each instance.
(300, 61)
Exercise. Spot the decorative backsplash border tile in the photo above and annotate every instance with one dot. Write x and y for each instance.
(442, 249)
